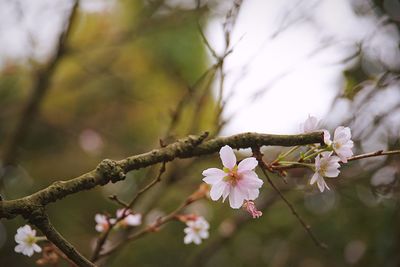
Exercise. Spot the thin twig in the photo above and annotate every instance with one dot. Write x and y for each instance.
(220, 240)
(150, 185)
(176, 114)
(374, 154)
(151, 228)
(116, 199)
(103, 238)
(263, 165)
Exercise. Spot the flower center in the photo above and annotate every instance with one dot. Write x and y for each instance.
(196, 229)
(232, 176)
(337, 145)
(30, 240)
(323, 167)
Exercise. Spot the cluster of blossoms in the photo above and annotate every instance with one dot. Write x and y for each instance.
(241, 184)
(26, 241)
(326, 163)
(124, 218)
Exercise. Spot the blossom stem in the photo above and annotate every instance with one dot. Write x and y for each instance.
(315, 153)
(287, 153)
(41, 238)
(309, 165)
(308, 152)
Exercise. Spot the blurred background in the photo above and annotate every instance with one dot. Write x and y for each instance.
(109, 79)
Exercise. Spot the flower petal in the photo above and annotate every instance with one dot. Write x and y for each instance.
(236, 198)
(213, 172)
(253, 194)
(327, 137)
(196, 239)
(134, 219)
(217, 190)
(204, 234)
(36, 248)
(228, 157)
(248, 164)
(188, 239)
(322, 184)
(28, 251)
(19, 248)
(332, 172)
(99, 228)
(226, 191)
(314, 178)
(213, 176)
(250, 181)
(100, 218)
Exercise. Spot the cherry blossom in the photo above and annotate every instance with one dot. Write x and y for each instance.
(325, 166)
(196, 230)
(239, 182)
(130, 219)
(309, 125)
(342, 143)
(26, 239)
(102, 222)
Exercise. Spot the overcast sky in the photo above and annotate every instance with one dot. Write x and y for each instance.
(287, 61)
(299, 71)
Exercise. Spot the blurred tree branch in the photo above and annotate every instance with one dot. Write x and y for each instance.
(40, 87)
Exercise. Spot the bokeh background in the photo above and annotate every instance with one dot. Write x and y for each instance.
(129, 73)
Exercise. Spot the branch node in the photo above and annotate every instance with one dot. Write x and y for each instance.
(110, 170)
(37, 216)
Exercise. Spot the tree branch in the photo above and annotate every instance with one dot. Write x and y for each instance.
(42, 222)
(114, 171)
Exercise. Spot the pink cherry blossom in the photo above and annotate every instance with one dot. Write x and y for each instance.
(325, 166)
(239, 182)
(342, 143)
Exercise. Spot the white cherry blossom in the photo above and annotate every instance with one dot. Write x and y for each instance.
(26, 239)
(239, 182)
(196, 230)
(102, 222)
(311, 124)
(325, 166)
(342, 143)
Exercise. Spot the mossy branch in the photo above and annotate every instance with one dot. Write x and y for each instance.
(114, 171)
